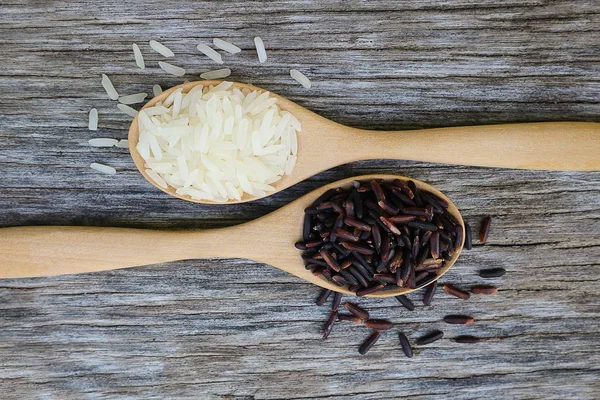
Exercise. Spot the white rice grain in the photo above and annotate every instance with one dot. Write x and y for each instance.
(216, 74)
(123, 144)
(156, 89)
(171, 69)
(260, 49)
(133, 98)
(93, 120)
(228, 47)
(103, 142)
(161, 48)
(105, 169)
(210, 53)
(127, 110)
(139, 58)
(157, 178)
(110, 89)
(300, 78)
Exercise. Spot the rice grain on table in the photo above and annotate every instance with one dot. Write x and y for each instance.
(214, 143)
(216, 74)
(300, 78)
(228, 47)
(102, 142)
(260, 49)
(133, 98)
(105, 169)
(210, 53)
(156, 89)
(110, 89)
(127, 110)
(171, 69)
(123, 143)
(161, 48)
(139, 58)
(93, 120)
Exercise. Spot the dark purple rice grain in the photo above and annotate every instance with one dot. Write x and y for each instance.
(378, 324)
(338, 280)
(367, 344)
(466, 339)
(417, 211)
(362, 270)
(356, 223)
(396, 262)
(434, 244)
(391, 227)
(349, 318)
(358, 248)
(429, 293)
(348, 207)
(420, 276)
(323, 297)
(492, 272)
(358, 205)
(329, 324)
(405, 301)
(364, 263)
(468, 237)
(348, 277)
(387, 278)
(332, 262)
(405, 344)
(369, 290)
(404, 187)
(484, 289)
(415, 248)
(377, 190)
(300, 246)
(429, 338)
(388, 207)
(345, 235)
(358, 276)
(356, 310)
(337, 299)
(427, 226)
(423, 254)
(385, 248)
(307, 227)
(458, 237)
(454, 291)
(458, 319)
(416, 192)
(426, 280)
(485, 229)
(376, 237)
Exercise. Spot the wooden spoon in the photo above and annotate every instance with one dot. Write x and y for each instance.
(55, 250)
(324, 144)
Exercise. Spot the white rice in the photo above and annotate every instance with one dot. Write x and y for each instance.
(156, 89)
(218, 143)
(103, 142)
(161, 48)
(216, 74)
(260, 49)
(93, 120)
(133, 98)
(110, 89)
(210, 53)
(228, 47)
(171, 69)
(127, 110)
(139, 58)
(123, 143)
(300, 78)
(105, 169)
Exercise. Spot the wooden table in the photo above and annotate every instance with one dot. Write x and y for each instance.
(234, 329)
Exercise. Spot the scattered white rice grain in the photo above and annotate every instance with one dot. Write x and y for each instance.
(260, 49)
(102, 142)
(123, 143)
(105, 169)
(157, 178)
(93, 120)
(300, 78)
(110, 89)
(291, 163)
(171, 69)
(216, 74)
(161, 48)
(127, 110)
(228, 47)
(156, 89)
(139, 58)
(210, 53)
(133, 98)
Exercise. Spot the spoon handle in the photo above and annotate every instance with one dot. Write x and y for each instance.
(31, 251)
(566, 146)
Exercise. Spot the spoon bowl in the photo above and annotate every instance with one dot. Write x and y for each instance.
(57, 250)
(324, 144)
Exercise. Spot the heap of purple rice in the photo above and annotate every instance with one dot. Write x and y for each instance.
(379, 236)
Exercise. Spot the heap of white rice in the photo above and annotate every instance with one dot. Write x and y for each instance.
(217, 143)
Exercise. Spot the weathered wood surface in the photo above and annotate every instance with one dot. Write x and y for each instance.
(235, 329)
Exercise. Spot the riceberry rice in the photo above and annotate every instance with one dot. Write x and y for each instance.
(405, 345)
(367, 344)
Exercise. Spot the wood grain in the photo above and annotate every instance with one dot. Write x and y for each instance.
(241, 330)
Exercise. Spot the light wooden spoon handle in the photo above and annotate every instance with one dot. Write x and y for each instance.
(572, 146)
(55, 250)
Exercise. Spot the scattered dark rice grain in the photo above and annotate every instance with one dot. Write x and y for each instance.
(429, 338)
(367, 344)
